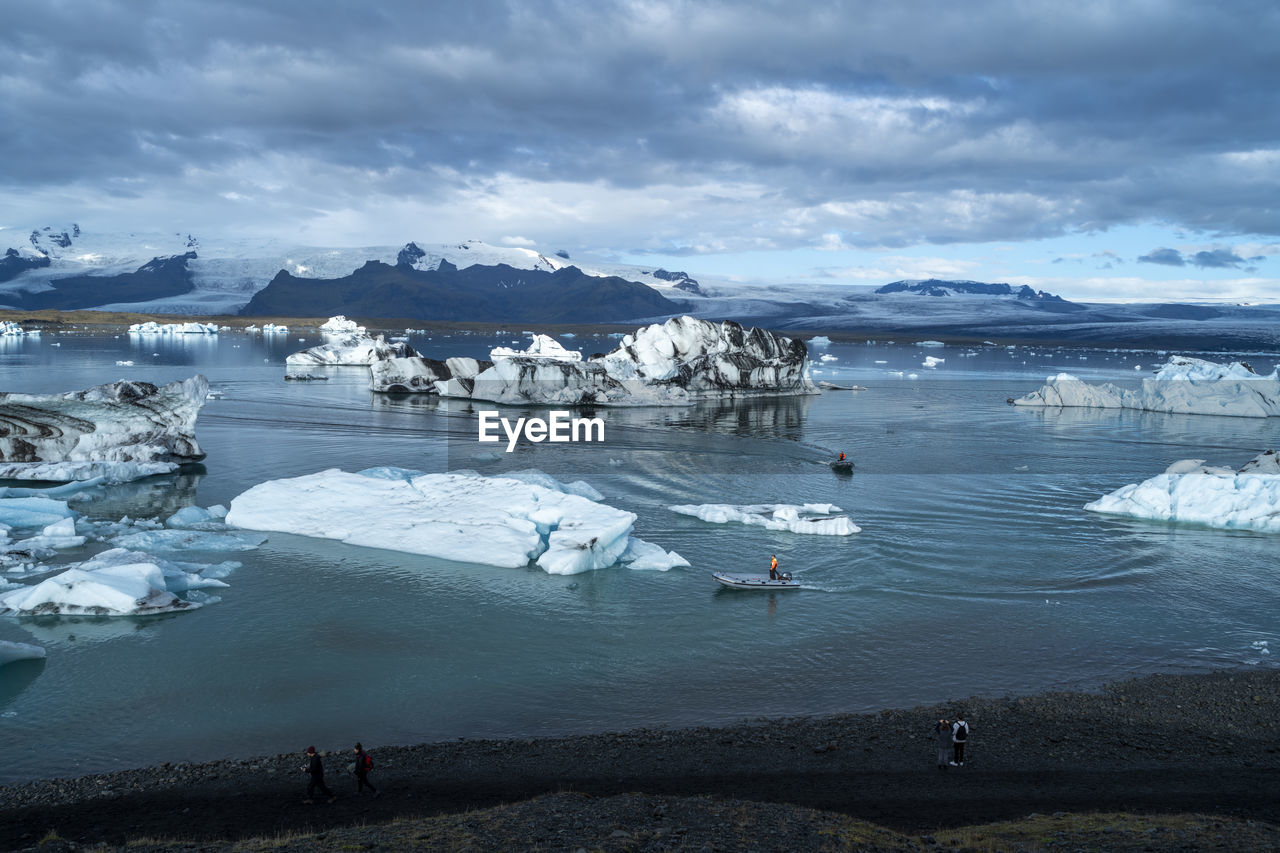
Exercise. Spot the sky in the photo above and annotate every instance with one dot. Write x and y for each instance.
(1097, 150)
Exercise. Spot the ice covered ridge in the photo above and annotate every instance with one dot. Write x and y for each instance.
(121, 430)
(1184, 385)
(675, 363)
(508, 521)
(1191, 491)
(818, 519)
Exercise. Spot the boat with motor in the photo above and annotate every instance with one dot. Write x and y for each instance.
(842, 466)
(785, 581)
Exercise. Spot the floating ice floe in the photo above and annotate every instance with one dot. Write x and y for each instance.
(930, 361)
(351, 348)
(135, 589)
(120, 431)
(1190, 491)
(820, 342)
(1183, 385)
(675, 363)
(930, 344)
(153, 328)
(462, 516)
(10, 652)
(816, 519)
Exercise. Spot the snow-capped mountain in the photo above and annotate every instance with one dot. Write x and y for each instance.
(224, 274)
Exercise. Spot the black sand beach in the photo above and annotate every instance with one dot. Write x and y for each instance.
(1165, 745)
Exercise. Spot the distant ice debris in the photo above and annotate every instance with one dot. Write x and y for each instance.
(153, 328)
(123, 430)
(820, 342)
(829, 358)
(11, 651)
(462, 516)
(930, 344)
(675, 363)
(1184, 385)
(930, 361)
(797, 518)
(1190, 491)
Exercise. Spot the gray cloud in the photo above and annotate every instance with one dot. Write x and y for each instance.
(1167, 257)
(757, 125)
(1217, 258)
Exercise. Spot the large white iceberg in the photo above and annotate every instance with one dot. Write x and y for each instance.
(1183, 385)
(1190, 491)
(88, 434)
(341, 325)
(462, 516)
(818, 519)
(354, 348)
(10, 329)
(678, 362)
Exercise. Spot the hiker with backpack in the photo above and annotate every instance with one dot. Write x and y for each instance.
(363, 765)
(959, 736)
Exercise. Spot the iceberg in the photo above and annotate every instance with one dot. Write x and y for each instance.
(341, 325)
(10, 329)
(461, 516)
(1190, 491)
(676, 363)
(1184, 385)
(351, 348)
(10, 652)
(816, 519)
(153, 328)
(542, 346)
(88, 434)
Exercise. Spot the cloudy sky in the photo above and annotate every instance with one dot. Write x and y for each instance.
(1126, 149)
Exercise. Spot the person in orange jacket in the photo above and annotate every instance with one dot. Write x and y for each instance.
(773, 567)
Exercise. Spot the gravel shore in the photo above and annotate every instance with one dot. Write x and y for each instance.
(1186, 744)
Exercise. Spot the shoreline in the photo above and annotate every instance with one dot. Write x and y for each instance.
(1159, 744)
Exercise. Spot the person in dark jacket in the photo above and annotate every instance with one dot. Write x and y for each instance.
(959, 737)
(315, 769)
(942, 730)
(362, 771)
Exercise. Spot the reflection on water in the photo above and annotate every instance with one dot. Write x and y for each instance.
(18, 676)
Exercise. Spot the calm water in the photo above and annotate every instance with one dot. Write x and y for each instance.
(977, 571)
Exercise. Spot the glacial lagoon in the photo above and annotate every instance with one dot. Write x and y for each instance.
(976, 569)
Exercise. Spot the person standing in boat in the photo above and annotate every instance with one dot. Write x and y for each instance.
(773, 567)
(841, 457)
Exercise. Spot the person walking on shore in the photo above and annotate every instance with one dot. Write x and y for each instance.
(363, 765)
(942, 731)
(959, 736)
(315, 769)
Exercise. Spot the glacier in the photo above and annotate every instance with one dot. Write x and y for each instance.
(461, 516)
(1190, 491)
(814, 519)
(679, 362)
(1183, 385)
(121, 430)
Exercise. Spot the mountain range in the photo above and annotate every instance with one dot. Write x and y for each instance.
(175, 273)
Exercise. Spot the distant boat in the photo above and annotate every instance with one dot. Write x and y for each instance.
(755, 581)
(842, 466)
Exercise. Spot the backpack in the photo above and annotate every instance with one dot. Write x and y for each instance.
(368, 762)
(961, 733)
